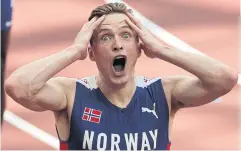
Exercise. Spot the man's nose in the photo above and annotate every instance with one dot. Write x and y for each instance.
(117, 45)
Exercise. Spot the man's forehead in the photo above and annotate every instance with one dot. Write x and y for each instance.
(114, 19)
(113, 25)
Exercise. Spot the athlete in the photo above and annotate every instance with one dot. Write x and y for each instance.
(6, 22)
(116, 110)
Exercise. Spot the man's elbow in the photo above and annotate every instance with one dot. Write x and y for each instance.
(227, 82)
(16, 90)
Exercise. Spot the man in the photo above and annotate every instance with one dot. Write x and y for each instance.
(117, 110)
(6, 19)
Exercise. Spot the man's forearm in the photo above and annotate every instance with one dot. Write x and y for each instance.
(35, 74)
(208, 70)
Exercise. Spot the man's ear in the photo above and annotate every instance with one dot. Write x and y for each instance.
(91, 53)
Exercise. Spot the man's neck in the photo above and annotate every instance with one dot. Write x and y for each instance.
(119, 95)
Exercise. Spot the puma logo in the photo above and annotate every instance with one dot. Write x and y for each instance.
(150, 111)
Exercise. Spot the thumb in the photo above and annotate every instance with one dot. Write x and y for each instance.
(142, 46)
(84, 55)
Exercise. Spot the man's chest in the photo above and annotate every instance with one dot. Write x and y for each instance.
(137, 128)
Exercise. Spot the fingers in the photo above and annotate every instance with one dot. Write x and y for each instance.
(97, 23)
(92, 20)
(133, 19)
(142, 46)
(134, 27)
(93, 23)
(89, 23)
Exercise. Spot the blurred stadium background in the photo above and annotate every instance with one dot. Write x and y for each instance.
(43, 27)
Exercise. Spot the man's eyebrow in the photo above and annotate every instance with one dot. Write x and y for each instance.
(102, 30)
(125, 26)
(108, 29)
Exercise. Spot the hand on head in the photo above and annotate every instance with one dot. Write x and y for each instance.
(82, 39)
(148, 43)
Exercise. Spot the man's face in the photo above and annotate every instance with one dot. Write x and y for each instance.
(115, 49)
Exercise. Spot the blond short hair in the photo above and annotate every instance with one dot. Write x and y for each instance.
(107, 9)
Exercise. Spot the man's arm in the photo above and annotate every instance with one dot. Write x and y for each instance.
(32, 85)
(212, 78)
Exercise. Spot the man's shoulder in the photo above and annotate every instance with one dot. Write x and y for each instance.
(139, 79)
(89, 82)
(144, 81)
(163, 80)
(65, 83)
(63, 80)
(172, 79)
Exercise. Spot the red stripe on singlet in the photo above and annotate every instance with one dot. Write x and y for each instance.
(169, 146)
(64, 146)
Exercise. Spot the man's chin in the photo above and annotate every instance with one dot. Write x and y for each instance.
(122, 81)
(119, 80)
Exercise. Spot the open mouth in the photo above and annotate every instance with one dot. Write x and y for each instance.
(119, 63)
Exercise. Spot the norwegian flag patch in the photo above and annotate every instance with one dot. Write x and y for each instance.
(92, 115)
